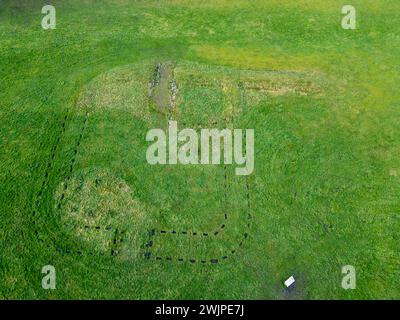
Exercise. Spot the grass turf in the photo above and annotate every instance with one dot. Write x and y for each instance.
(325, 188)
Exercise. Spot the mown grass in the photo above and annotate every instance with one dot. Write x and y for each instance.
(325, 188)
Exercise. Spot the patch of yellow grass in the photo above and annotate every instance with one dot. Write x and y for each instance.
(303, 5)
(252, 59)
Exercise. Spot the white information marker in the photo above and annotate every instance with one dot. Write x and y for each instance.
(289, 282)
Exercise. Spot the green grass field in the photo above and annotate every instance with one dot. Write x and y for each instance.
(77, 193)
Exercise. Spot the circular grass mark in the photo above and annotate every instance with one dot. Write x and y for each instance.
(99, 210)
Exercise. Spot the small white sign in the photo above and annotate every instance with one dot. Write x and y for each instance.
(289, 282)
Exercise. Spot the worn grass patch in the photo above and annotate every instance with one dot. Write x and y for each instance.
(101, 210)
